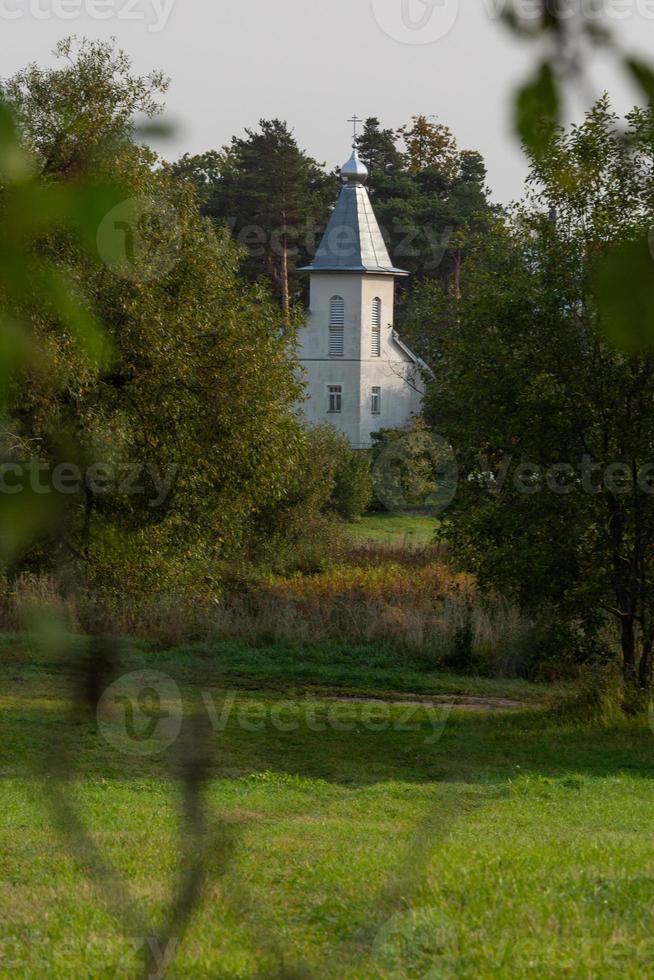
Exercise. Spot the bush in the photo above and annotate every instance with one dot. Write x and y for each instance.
(600, 697)
(353, 484)
(403, 466)
(301, 532)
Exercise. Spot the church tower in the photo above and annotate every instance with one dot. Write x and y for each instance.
(359, 375)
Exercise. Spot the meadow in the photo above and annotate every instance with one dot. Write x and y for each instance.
(401, 529)
(434, 839)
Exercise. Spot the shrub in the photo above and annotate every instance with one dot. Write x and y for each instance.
(403, 466)
(352, 492)
(600, 697)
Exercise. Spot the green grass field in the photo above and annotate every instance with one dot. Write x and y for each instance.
(364, 841)
(411, 530)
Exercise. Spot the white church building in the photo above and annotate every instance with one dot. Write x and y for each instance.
(359, 375)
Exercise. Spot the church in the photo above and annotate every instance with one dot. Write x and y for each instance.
(359, 376)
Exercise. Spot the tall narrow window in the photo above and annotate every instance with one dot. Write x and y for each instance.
(336, 326)
(376, 326)
(375, 401)
(335, 398)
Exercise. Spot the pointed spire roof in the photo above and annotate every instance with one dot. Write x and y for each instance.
(353, 241)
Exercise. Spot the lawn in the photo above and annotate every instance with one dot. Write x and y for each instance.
(402, 529)
(363, 840)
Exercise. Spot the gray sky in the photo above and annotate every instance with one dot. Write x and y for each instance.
(316, 62)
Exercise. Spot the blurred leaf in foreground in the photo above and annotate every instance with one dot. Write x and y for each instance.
(537, 110)
(33, 285)
(623, 284)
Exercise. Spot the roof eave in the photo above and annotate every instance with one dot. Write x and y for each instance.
(358, 270)
(414, 357)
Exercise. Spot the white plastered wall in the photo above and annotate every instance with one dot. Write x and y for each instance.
(357, 371)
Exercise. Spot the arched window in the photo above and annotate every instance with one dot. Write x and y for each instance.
(376, 326)
(336, 326)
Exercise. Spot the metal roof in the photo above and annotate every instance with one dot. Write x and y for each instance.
(353, 241)
(412, 357)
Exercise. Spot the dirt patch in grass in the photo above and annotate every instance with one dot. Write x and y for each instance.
(461, 703)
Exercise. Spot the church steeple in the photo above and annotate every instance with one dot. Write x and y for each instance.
(359, 376)
(353, 241)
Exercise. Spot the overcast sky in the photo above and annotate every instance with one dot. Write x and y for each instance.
(316, 62)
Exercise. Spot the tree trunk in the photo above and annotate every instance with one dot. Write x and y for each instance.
(283, 277)
(628, 642)
(645, 665)
(458, 262)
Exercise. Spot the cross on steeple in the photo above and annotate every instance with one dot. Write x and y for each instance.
(354, 120)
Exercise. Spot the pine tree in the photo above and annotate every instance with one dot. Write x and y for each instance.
(273, 197)
(378, 150)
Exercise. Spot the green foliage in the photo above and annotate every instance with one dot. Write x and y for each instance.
(643, 75)
(627, 314)
(403, 466)
(273, 198)
(80, 115)
(353, 484)
(378, 149)
(298, 531)
(524, 378)
(427, 195)
(199, 386)
(428, 309)
(33, 286)
(338, 475)
(537, 110)
(429, 146)
(204, 170)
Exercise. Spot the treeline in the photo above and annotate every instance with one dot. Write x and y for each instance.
(544, 384)
(274, 199)
(176, 458)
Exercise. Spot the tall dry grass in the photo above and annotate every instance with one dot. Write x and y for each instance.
(499, 636)
(407, 599)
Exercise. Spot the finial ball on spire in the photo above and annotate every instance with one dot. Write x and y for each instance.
(354, 171)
